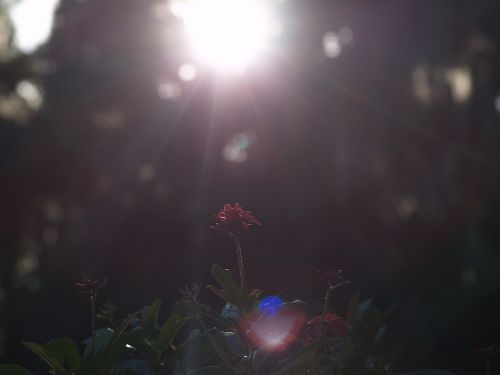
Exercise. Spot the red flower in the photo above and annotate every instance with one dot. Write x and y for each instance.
(333, 326)
(332, 278)
(232, 220)
(90, 287)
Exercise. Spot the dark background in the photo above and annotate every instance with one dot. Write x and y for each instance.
(379, 161)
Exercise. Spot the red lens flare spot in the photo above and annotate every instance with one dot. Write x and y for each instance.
(274, 332)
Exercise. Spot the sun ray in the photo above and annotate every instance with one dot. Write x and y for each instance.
(177, 120)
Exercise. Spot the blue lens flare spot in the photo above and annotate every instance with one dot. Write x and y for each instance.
(270, 305)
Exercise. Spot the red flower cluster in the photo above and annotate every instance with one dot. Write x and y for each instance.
(333, 326)
(232, 220)
(90, 287)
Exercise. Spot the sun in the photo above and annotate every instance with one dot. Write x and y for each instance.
(228, 34)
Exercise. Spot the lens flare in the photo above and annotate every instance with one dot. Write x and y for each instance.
(270, 305)
(33, 22)
(228, 34)
(273, 331)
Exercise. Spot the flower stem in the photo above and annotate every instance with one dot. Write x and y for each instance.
(325, 308)
(92, 305)
(240, 261)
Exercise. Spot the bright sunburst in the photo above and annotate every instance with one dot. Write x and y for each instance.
(228, 34)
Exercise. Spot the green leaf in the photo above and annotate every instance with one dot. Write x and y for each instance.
(224, 278)
(197, 351)
(101, 363)
(39, 350)
(186, 309)
(370, 322)
(65, 351)
(218, 292)
(169, 329)
(250, 300)
(189, 309)
(352, 308)
(102, 338)
(150, 317)
(13, 370)
(218, 338)
(304, 358)
(362, 308)
(255, 294)
(234, 345)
